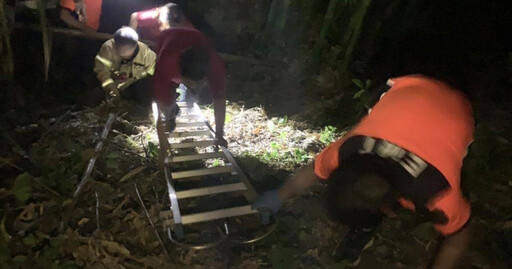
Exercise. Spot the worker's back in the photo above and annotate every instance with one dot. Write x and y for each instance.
(426, 117)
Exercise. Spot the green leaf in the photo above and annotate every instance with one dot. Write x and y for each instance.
(4, 255)
(358, 94)
(30, 240)
(19, 259)
(22, 187)
(368, 83)
(283, 120)
(152, 150)
(358, 83)
(67, 265)
(281, 257)
(228, 118)
(4, 235)
(271, 126)
(328, 135)
(113, 155)
(111, 163)
(274, 145)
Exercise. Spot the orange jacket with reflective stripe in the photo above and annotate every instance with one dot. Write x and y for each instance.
(92, 11)
(429, 119)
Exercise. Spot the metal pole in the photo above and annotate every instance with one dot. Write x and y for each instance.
(97, 150)
(149, 218)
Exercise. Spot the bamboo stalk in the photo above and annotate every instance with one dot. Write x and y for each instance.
(276, 19)
(5, 38)
(41, 6)
(328, 18)
(353, 32)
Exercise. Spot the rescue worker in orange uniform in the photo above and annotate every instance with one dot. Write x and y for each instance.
(408, 149)
(83, 15)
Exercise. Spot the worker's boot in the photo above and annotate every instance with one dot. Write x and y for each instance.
(169, 115)
(351, 247)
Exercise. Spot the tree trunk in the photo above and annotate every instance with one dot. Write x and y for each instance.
(352, 33)
(6, 56)
(276, 20)
(329, 17)
(47, 49)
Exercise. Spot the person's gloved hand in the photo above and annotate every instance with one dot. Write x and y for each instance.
(169, 116)
(267, 203)
(170, 124)
(112, 90)
(113, 94)
(220, 141)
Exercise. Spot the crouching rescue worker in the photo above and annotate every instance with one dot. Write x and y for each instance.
(409, 149)
(123, 66)
(187, 57)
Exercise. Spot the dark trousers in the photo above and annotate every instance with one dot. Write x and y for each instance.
(139, 92)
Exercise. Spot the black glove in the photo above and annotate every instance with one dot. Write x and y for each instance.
(220, 141)
(170, 118)
(171, 124)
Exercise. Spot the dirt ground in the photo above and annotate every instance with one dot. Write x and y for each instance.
(274, 125)
(52, 230)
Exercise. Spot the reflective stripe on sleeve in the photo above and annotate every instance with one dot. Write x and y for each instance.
(106, 62)
(107, 82)
(121, 85)
(151, 69)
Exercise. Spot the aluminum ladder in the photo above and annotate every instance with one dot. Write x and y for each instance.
(189, 124)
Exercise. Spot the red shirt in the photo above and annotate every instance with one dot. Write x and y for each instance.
(148, 24)
(173, 42)
(429, 119)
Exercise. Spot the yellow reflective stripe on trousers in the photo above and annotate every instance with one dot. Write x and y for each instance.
(106, 62)
(107, 82)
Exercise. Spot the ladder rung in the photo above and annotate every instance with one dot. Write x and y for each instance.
(190, 124)
(218, 214)
(204, 156)
(203, 172)
(190, 117)
(211, 190)
(191, 133)
(189, 110)
(182, 104)
(194, 144)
